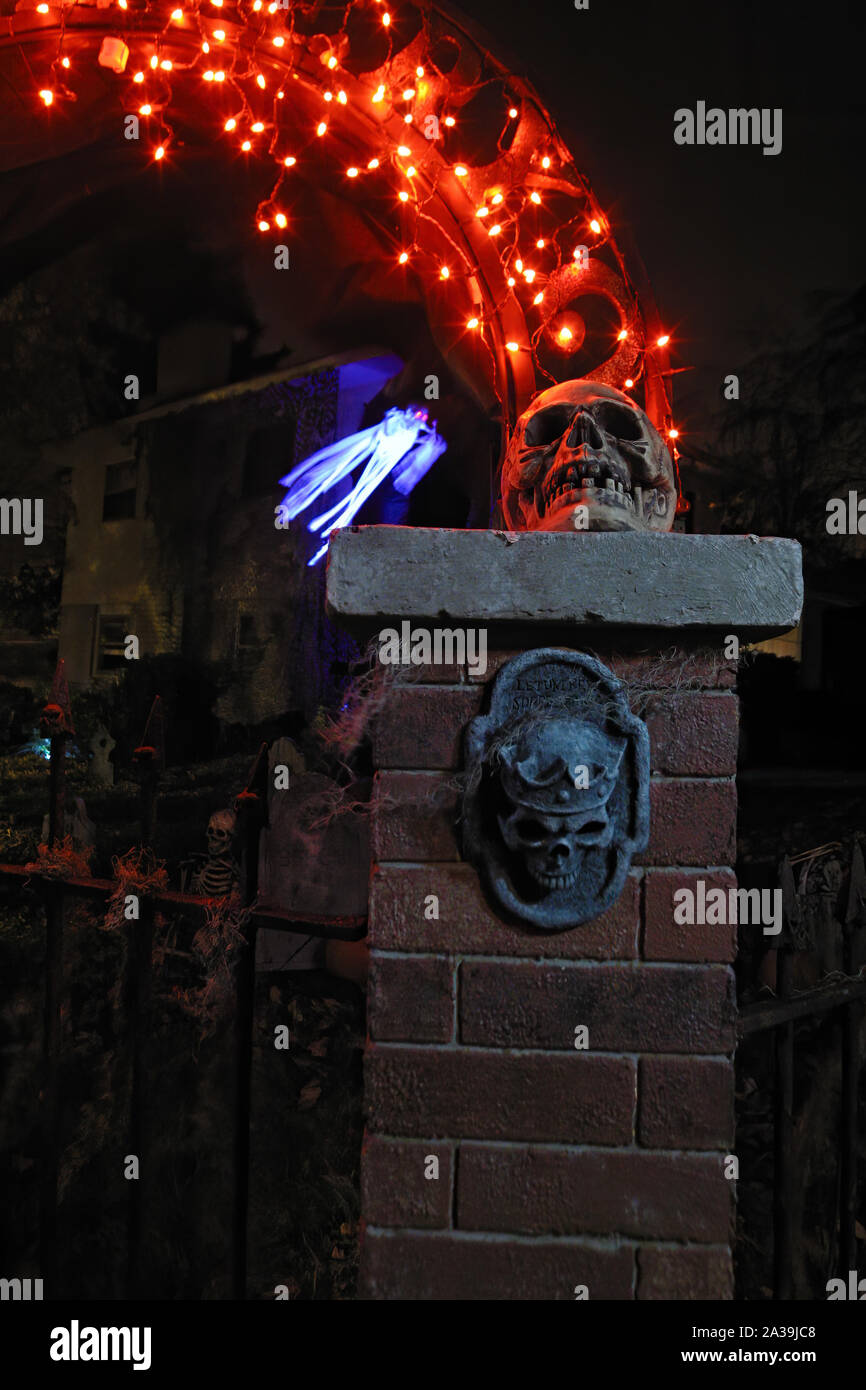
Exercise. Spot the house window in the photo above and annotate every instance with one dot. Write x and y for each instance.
(118, 502)
(269, 456)
(110, 641)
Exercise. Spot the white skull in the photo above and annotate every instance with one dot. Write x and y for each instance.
(220, 833)
(584, 444)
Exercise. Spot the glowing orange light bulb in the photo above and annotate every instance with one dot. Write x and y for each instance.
(628, 383)
(159, 152)
(257, 4)
(403, 196)
(281, 219)
(145, 110)
(205, 48)
(328, 96)
(342, 98)
(177, 15)
(386, 19)
(403, 257)
(497, 198)
(279, 41)
(445, 273)
(373, 164)
(217, 3)
(379, 94)
(246, 146)
(404, 150)
(535, 197)
(138, 77)
(321, 128)
(540, 243)
(154, 61)
(673, 434)
(166, 65)
(512, 347)
(260, 82)
(408, 118)
(419, 72)
(539, 297)
(622, 334)
(230, 123)
(264, 226)
(352, 173)
(449, 121)
(42, 9)
(64, 62)
(565, 334)
(219, 34)
(280, 96)
(208, 76)
(545, 163)
(47, 95)
(663, 340)
(122, 4)
(332, 62)
(257, 127)
(472, 323)
(512, 111)
(595, 225)
(511, 281)
(529, 276)
(494, 230)
(518, 265)
(482, 212)
(461, 171)
(289, 161)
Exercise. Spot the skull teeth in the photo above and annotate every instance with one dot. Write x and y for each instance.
(609, 485)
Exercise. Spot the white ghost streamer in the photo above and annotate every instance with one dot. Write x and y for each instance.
(403, 444)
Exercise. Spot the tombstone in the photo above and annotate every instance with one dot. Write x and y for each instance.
(313, 858)
(76, 823)
(101, 747)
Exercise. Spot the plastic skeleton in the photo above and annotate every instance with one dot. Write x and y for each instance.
(403, 444)
(219, 874)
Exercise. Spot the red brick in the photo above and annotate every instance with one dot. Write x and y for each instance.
(411, 999)
(422, 727)
(694, 734)
(554, 1192)
(684, 1273)
(685, 1103)
(692, 822)
(455, 1093)
(665, 939)
(627, 1008)
(447, 1267)
(414, 817)
(466, 923)
(394, 1190)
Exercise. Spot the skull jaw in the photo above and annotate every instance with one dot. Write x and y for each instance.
(597, 509)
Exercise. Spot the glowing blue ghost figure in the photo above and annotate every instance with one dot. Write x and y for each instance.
(403, 444)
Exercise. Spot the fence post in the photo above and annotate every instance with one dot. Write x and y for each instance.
(148, 761)
(252, 809)
(56, 724)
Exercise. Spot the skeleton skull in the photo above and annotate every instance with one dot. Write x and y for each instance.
(558, 777)
(220, 833)
(584, 444)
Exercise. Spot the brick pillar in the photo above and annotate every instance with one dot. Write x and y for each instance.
(558, 1169)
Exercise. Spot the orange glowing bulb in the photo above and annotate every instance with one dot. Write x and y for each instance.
(257, 4)
(352, 173)
(290, 161)
(386, 19)
(230, 123)
(264, 226)
(42, 9)
(539, 297)
(208, 76)
(497, 198)
(321, 128)
(512, 347)
(595, 225)
(629, 383)
(219, 34)
(545, 163)
(280, 96)
(122, 4)
(379, 94)
(246, 145)
(673, 434)
(177, 15)
(281, 219)
(663, 340)
(529, 276)
(145, 110)
(445, 273)
(257, 127)
(332, 62)
(205, 48)
(328, 96)
(403, 257)
(64, 62)
(139, 77)
(409, 93)
(518, 265)
(342, 98)
(408, 118)
(461, 171)
(219, 76)
(403, 150)
(159, 152)
(540, 243)
(511, 281)
(565, 335)
(494, 230)
(622, 334)
(419, 72)
(482, 212)
(535, 197)
(449, 121)
(472, 323)
(373, 164)
(279, 41)
(154, 61)
(260, 81)
(47, 96)
(166, 65)
(512, 111)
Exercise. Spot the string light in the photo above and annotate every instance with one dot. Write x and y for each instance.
(512, 111)
(177, 15)
(513, 347)
(64, 62)
(138, 77)
(321, 128)
(246, 146)
(535, 197)
(673, 434)
(42, 9)
(379, 94)
(403, 196)
(539, 297)
(545, 162)
(403, 257)
(663, 340)
(257, 127)
(628, 383)
(352, 173)
(622, 335)
(565, 334)
(449, 121)
(373, 164)
(230, 123)
(472, 323)
(461, 171)
(290, 161)
(595, 225)
(260, 82)
(445, 273)
(47, 95)
(159, 152)
(264, 226)
(404, 151)
(386, 19)
(145, 110)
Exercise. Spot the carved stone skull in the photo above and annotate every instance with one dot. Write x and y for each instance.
(557, 778)
(584, 444)
(220, 833)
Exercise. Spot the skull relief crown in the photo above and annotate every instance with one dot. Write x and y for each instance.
(584, 444)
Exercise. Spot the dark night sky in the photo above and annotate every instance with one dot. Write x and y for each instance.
(734, 241)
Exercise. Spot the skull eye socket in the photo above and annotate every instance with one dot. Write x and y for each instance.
(530, 829)
(619, 421)
(548, 425)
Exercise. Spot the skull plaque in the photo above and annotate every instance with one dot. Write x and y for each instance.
(583, 445)
(557, 795)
